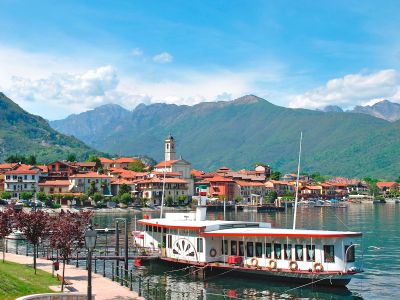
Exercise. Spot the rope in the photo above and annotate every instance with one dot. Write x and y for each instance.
(312, 282)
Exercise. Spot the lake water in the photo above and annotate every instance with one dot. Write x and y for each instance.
(380, 224)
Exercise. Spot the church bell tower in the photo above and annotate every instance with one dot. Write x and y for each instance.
(170, 152)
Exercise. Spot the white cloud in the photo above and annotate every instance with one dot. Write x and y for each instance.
(136, 52)
(351, 90)
(163, 58)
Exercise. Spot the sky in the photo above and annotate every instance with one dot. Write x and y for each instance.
(63, 57)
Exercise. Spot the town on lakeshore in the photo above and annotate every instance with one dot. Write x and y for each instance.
(127, 181)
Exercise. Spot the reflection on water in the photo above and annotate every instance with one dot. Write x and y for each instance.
(380, 249)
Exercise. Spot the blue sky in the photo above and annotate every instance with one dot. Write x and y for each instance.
(62, 57)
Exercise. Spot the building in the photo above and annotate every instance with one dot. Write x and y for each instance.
(281, 187)
(106, 162)
(54, 186)
(152, 189)
(250, 192)
(387, 187)
(80, 183)
(123, 162)
(222, 187)
(24, 178)
(173, 165)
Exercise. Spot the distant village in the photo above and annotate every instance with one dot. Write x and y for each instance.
(107, 180)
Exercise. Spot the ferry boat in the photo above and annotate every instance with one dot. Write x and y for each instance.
(309, 256)
(253, 248)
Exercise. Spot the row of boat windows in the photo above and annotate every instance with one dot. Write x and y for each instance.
(279, 251)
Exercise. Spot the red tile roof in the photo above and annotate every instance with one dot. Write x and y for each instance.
(90, 175)
(55, 183)
(218, 178)
(248, 183)
(196, 173)
(166, 163)
(161, 180)
(8, 166)
(386, 184)
(105, 160)
(23, 169)
(122, 160)
(167, 174)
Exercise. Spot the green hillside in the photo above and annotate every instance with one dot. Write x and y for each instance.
(25, 134)
(250, 129)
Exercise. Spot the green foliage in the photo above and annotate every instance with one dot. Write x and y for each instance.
(41, 196)
(97, 197)
(123, 189)
(115, 199)
(275, 175)
(94, 158)
(169, 200)
(71, 157)
(271, 196)
(5, 195)
(318, 177)
(353, 193)
(137, 166)
(238, 199)
(83, 198)
(26, 195)
(125, 198)
(370, 180)
(181, 199)
(91, 189)
(27, 138)
(398, 179)
(373, 189)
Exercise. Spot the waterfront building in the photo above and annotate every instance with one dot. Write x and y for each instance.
(252, 193)
(24, 178)
(54, 186)
(281, 187)
(80, 183)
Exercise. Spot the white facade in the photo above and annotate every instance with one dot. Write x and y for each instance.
(22, 182)
(82, 182)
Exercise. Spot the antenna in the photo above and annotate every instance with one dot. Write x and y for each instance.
(297, 184)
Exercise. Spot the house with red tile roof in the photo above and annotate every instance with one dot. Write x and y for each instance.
(24, 178)
(123, 162)
(250, 192)
(80, 183)
(54, 186)
(387, 186)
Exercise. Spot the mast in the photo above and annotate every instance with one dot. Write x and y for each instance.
(163, 191)
(297, 184)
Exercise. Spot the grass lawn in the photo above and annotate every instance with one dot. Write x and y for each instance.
(19, 280)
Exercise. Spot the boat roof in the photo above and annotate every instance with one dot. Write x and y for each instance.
(243, 228)
(275, 232)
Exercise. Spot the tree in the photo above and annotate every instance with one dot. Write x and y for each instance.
(137, 166)
(125, 198)
(97, 197)
(35, 226)
(68, 234)
(94, 158)
(398, 179)
(5, 195)
(41, 196)
(92, 188)
(271, 196)
(25, 195)
(71, 157)
(181, 199)
(123, 189)
(275, 175)
(373, 189)
(318, 177)
(169, 200)
(31, 160)
(6, 226)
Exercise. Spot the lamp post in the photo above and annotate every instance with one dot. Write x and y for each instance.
(90, 243)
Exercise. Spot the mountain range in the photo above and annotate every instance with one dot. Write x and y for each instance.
(25, 134)
(242, 132)
(384, 109)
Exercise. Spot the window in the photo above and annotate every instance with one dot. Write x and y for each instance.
(310, 252)
(200, 245)
(329, 253)
(287, 251)
(233, 247)
(241, 248)
(33, 177)
(25, 177)
(250, 249)
(25, 185)
(351, 253)
(225, 247)
(259, 249)
(169, 244)
(268, 250)
(277, 250)
(299, 252)
(8, 177)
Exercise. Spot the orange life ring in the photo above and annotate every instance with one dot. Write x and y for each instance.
(254, 262)
(213, 252)
(318, 267)
(293, 266)
(272, 264)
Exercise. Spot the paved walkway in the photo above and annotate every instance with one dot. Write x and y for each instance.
(103, 288)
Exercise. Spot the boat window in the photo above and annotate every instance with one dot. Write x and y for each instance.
(241, 248)
(159, 229)
(299, 252)
(225, 247)
(287, 253)
(250, 249)
(169, 244)
(259, 249)
(233, 247)
(200, 245)
(277, 250)
(310, 252)
(268, 250)
(164, 230)
(351, 253)
(329, 253)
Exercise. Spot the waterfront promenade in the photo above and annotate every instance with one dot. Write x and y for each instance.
(103, 288)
